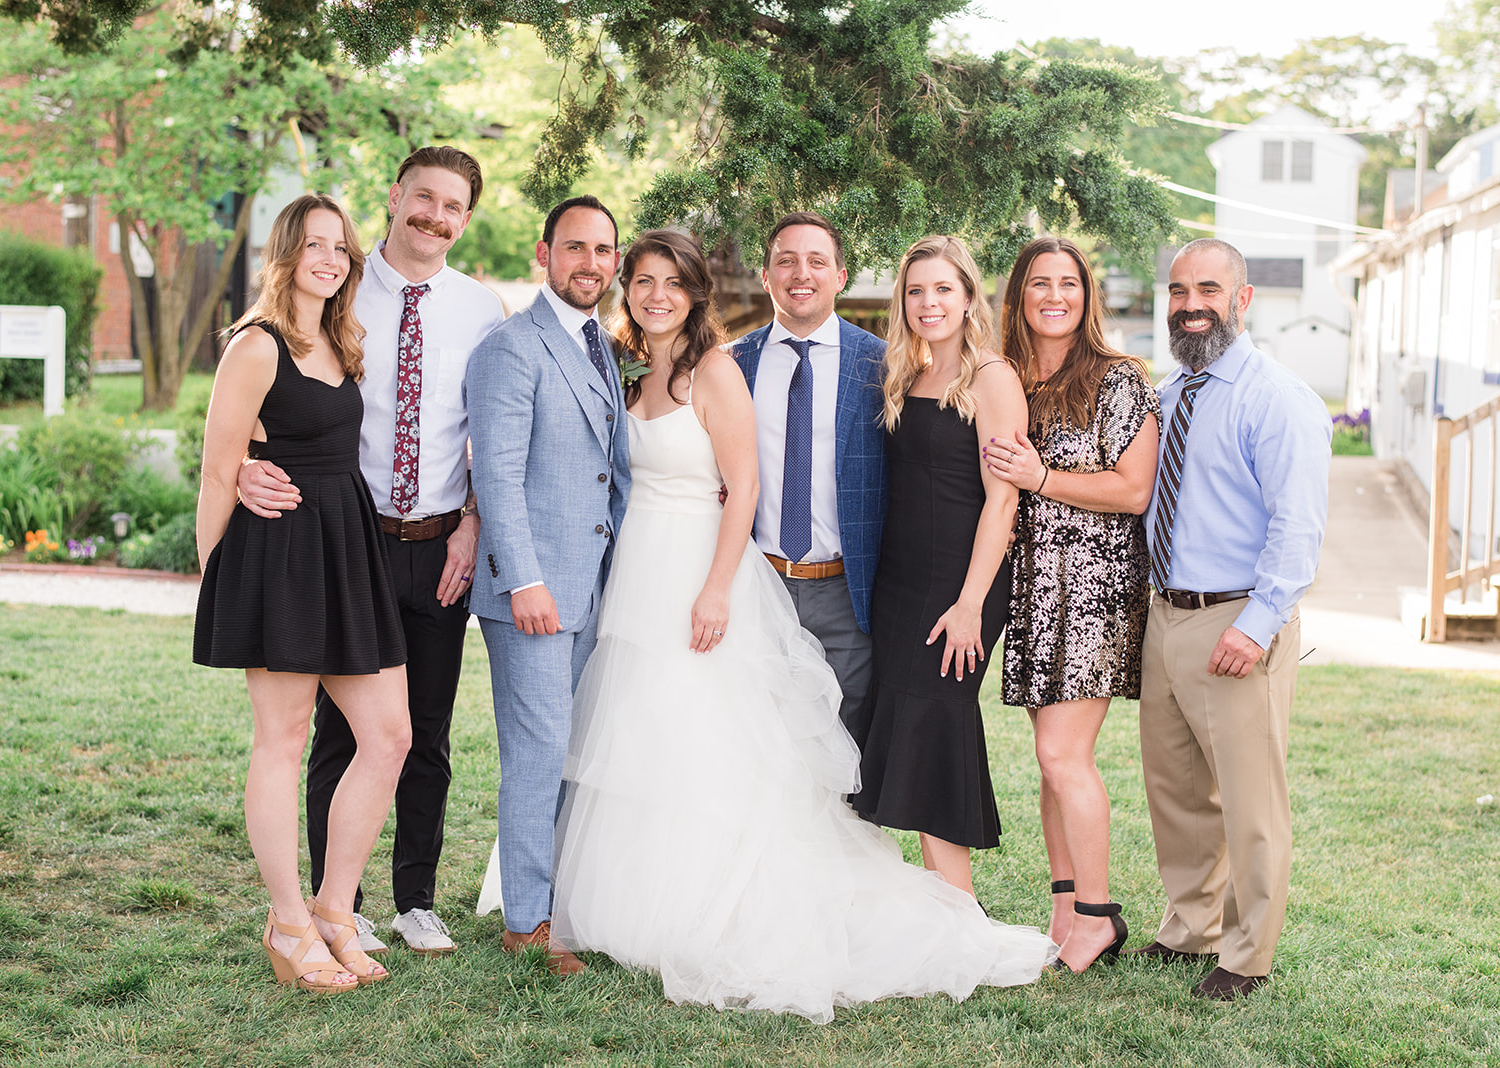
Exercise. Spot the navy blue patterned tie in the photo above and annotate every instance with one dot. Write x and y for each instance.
(1169, 480)
(796, 471)
(596, 350)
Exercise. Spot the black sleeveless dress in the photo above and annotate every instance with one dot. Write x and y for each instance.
(924, 765)
(310, 591)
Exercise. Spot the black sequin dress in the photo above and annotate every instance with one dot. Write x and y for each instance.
(311, 591)
(1080, 583)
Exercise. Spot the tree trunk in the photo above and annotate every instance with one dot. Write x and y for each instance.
(181, 322)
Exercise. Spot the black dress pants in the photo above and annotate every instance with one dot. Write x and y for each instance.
(434, 650)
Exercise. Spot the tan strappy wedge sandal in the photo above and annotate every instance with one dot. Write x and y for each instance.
(293, 969)
(345, 944)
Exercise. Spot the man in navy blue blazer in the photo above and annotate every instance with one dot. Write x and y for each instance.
(816, 382)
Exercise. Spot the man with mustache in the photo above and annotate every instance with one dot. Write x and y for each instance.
(1235, 527)
(551, 474)
(422, 318)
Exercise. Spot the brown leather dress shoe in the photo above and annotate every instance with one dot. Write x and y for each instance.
(559, 960)
(1157, 951)
(1221, 985)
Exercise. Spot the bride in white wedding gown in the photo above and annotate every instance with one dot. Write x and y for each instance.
(705, 835)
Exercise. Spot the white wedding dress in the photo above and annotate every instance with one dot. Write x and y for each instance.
(705, 835)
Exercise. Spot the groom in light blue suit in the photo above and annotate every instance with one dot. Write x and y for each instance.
(551, 474)
(820, 530)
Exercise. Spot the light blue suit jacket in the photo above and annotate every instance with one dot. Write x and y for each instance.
(551, 464)
(859, 451)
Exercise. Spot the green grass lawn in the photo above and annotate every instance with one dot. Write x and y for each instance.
(121, 395)
(131, 909)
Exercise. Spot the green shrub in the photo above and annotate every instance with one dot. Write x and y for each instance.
(90, 454)
(172, 548)
(38, 274)
(150, 499)
(28, 496)
(191, 419)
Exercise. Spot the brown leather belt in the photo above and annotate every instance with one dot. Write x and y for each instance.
(1189, 599)
(822, 569)
(434, 526)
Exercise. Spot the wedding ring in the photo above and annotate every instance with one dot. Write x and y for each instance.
(463, 578)
(718, 634)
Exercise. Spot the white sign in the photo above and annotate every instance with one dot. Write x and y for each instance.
(37, 334)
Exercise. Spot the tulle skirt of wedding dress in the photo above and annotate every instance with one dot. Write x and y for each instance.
(705, 835)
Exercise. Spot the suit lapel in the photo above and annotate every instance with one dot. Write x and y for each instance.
(847, 404)
(575, 365)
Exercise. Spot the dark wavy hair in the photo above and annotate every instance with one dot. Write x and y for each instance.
(1071, 395)
(701, 332)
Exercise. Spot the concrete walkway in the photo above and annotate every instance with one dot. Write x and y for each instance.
(1373, 559)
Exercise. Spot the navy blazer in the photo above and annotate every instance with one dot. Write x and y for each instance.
(859, 451)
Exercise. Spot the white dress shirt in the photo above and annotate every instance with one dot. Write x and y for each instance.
(572, 321)
(773, 379)
(456, 313)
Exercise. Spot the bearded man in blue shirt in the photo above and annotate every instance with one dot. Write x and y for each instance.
(1235, 528)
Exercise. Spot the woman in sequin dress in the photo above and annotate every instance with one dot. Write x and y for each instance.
(1079, 593)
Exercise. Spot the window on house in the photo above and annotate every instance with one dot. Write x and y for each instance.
(1302, 153)
(1272, 165)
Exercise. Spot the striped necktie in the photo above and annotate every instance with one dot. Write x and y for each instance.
(1169, 480)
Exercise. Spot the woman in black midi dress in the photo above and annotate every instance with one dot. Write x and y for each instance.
(940, 591)
(304, 599)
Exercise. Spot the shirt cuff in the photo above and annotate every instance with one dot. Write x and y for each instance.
(528, 586)
(1259, 623)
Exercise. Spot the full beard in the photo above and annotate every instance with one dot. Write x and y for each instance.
(571, 295)
(1197, 351)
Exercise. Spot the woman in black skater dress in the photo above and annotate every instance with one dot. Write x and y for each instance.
(304, 599)
(940, 598)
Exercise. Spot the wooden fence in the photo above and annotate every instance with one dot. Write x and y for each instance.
(1475, 571)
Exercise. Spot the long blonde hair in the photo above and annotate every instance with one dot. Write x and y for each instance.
(276, 303)
(1070, 395)
(907, 355)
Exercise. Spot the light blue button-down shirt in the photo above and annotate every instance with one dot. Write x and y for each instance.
(1254, 499)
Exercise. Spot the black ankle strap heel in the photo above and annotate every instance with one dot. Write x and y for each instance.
(1111, 952)
(1062, 886)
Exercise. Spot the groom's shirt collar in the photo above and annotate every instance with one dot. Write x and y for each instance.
(572, 319)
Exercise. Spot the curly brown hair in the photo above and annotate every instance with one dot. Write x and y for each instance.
(702, 332)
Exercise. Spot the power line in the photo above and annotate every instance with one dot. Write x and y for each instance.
(1275, 213)
(1217, 124)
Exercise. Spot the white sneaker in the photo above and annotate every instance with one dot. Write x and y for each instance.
(424, 932)
(369, 941)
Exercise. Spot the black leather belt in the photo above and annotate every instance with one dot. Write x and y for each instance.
(1189, 599)
(433, 526)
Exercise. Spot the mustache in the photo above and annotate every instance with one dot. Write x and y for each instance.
(435, 229)
(1178, 318)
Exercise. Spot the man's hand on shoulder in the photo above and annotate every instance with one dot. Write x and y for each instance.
(1235, 654)
(265, 489)
(534, 611)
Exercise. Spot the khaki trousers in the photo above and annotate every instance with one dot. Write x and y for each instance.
(1213, 754)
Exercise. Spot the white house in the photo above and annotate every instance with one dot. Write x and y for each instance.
(1288, 191)
(1427, 333)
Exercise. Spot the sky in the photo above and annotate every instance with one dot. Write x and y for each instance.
(1270, 27)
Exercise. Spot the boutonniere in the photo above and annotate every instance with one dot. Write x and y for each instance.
(631, 369)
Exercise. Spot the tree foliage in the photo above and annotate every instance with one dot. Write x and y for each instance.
(163, 133)
(796, 104)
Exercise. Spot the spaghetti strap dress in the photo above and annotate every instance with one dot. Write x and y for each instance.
(310, 591)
